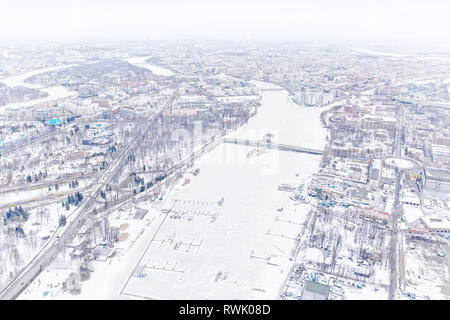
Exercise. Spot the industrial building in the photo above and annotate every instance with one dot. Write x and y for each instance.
(437, 183)
(315, 291)
(436, 223)
(440, 154)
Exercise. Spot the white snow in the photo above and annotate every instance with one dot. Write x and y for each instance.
(245, 239)
(289, 123)
(141, 62)
(54, 93)
(248, 246)
(19, 80)
(400, 163)
(411, 213)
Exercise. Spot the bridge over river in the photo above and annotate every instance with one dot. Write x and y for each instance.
(272, 145)
(272, 89)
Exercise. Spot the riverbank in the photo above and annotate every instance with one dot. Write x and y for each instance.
(241, 249)
(53, 93)
(142, 62)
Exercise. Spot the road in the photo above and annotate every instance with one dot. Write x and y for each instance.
(47, 199)
(170, 172)
(394, 240)
(395, 214)
(74, 220)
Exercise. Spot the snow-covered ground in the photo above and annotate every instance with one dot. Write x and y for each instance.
(400, 163)
(425, 272)
(400, 55)
(366, 293)
(287, 122)
(242, 249)
(381, 53)
(411, 213)
(246, 225)
(248, 246)
(54, 93)
(19, 80)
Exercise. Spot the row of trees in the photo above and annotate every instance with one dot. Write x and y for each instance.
(37, 177)
(74, 199)
(73, 184)
(16, 215)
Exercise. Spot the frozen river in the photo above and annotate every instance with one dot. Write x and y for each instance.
(285, 121)
(240, 250)
(54, 93)
(250, 243)
(245, 251)
(60, 92)
(141, 62)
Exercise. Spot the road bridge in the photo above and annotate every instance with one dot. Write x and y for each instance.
(272, 89)
(272, 145)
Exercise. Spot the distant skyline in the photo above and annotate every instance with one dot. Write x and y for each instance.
(381, 21)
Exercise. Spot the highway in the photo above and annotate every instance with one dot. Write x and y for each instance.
(395, 215)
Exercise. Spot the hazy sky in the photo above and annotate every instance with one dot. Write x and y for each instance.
(380, 20)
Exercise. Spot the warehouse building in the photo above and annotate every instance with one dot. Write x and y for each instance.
(436, 223)
(440, 154)
(315, 291)
(437, 183)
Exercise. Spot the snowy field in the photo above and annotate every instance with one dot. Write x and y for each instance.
(425, 273)
(108, 277)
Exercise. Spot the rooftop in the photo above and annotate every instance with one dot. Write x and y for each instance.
(436, 222)
(437, 174)
(315, 291)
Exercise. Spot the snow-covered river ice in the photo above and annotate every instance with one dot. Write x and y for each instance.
(242, 249)
(60, 92)
(248, 246)
(54, 93)
(141, 62)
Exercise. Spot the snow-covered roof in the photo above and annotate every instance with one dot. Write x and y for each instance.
(436, 222)
(437, 174)
(315, 291)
